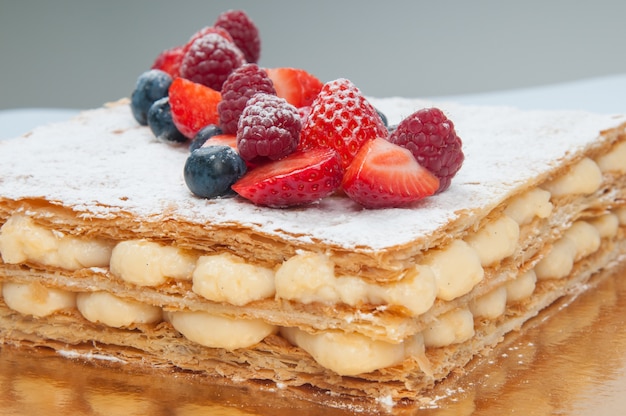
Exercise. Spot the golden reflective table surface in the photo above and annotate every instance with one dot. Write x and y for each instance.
(571, 360)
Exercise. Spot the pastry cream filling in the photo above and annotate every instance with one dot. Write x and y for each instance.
(35, 299)
(352, 354)
(457, 269)
(496, 240)
(217, 331)
(113, 311)
(450, 328)
(228, 278)
(147, 263)
(615, 160)
(22, 240)
(310, 277)
(607, 225)
(580, 240)
(584, 177)
(521, 287)
(491, 305)
(531, 204)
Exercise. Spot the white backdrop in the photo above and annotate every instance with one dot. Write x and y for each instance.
(79, 54)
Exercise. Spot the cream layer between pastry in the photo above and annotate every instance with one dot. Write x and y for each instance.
(103, 244)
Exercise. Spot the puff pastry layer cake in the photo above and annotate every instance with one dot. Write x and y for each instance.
(105, 253)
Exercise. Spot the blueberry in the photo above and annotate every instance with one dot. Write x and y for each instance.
(210, 171)
(203, 135)
(383, 117)
(151, 86)
(161, 123)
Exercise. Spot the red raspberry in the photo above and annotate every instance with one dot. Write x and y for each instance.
(205, 31)
(210, 60)
(269, 128)
(244, 32)
(240, 86)
(431, 137)
(341, 118)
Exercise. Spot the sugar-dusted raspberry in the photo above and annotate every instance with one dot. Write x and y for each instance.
(431, 137)
(210, 60)
(243, 31)
(240, 86)
(269, 128)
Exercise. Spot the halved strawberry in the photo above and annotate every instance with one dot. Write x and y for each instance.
(384, 175)
(222, 140)
(193, 106)
(297, 86)
(300, 178)
(169, 61)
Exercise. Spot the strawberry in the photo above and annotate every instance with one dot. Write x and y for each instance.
(297, 86)
(222, 140)
(341, 118)
(300, 178)
(169, 61)
(385, 175)
(193, 106)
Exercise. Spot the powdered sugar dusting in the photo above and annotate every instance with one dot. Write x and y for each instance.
(103, 162)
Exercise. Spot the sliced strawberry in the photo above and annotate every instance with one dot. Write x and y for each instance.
(222, 140)
(169, 61)
(193, 106)
(300, 178)
(384, 175)
(297, 86)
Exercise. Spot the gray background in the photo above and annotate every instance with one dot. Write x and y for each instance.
(80, 54)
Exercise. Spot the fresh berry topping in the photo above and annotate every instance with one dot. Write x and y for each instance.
(205, 31)
(152, 85)
(243, 31)
(269, 128)
(229, 140)
(297, 86)
(210, 171)
(383, 117)
(210, 60)
(341, 118)
(431, 137)
(193, 106)
(169, 61)
(240, 86)
(300, 178)
(304, 113)
(161, 123)
(204, 134)
(385, 175)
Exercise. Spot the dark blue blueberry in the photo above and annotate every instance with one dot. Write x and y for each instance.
(151, 86)
(392, 128)
(161, 123)
(210, 171)
(383, 117)
(203, 135)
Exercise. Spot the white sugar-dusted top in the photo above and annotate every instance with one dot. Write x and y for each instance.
(103, 162)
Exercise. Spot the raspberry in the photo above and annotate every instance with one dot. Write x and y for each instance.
(431, 137)
(243, 31)
(210, 60)
(240, 86)
(205, 31)
(269, 128)
(342, 119)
